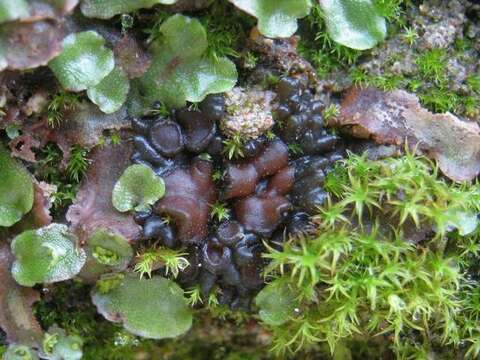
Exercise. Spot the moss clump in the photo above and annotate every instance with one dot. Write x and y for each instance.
(49, 168)
(390, 256)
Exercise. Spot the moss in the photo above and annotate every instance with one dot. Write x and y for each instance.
(317, 46)
(49, 169)
(431, 65)
(362, 272)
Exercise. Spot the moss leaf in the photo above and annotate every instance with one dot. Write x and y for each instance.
(137, 188)
(13, 10)
(164, 312)
(276, 18)
(276, 302)
(46, 255)
(84, 61)
(105, 9)
(356, 24)
(16, 190)
(111, 92)
(180, 71)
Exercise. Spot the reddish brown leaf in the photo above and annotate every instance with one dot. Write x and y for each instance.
(16, 316)
(131, 57)
(29, 45)
(397, 116)
(22, 147)
(42, 204)
(84, 126)
(93, 209)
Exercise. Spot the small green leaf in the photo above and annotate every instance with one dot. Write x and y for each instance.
(13, 10)
(180, 69)
(16, 190)
(84, 61)
(276, 302)
(163, 313)
(110, 249)
(111, 92)
(137, 189)
(46, 255)
(276, 18)
(356, 24)
(105, 9)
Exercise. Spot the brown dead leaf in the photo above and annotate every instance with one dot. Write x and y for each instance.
(397, 116)
(83, 126)
(16, 315)
(130, 56)
(29, 45)
(93, 209)
(42, 203)
(22, 147)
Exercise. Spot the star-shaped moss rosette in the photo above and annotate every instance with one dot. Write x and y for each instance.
(46, 255)
(181, 71)
(356, 24)
(276, 18)
(276, 302)
(16, 190)
(137, 189)
(163, 312)
(105, 9)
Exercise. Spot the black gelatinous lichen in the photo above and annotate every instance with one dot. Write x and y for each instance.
(270, 192)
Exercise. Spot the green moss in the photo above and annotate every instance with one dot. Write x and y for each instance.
(361, 274)
(440, 100)
(61, 102)
(49, 168)
(431, 65)
(318, 47)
